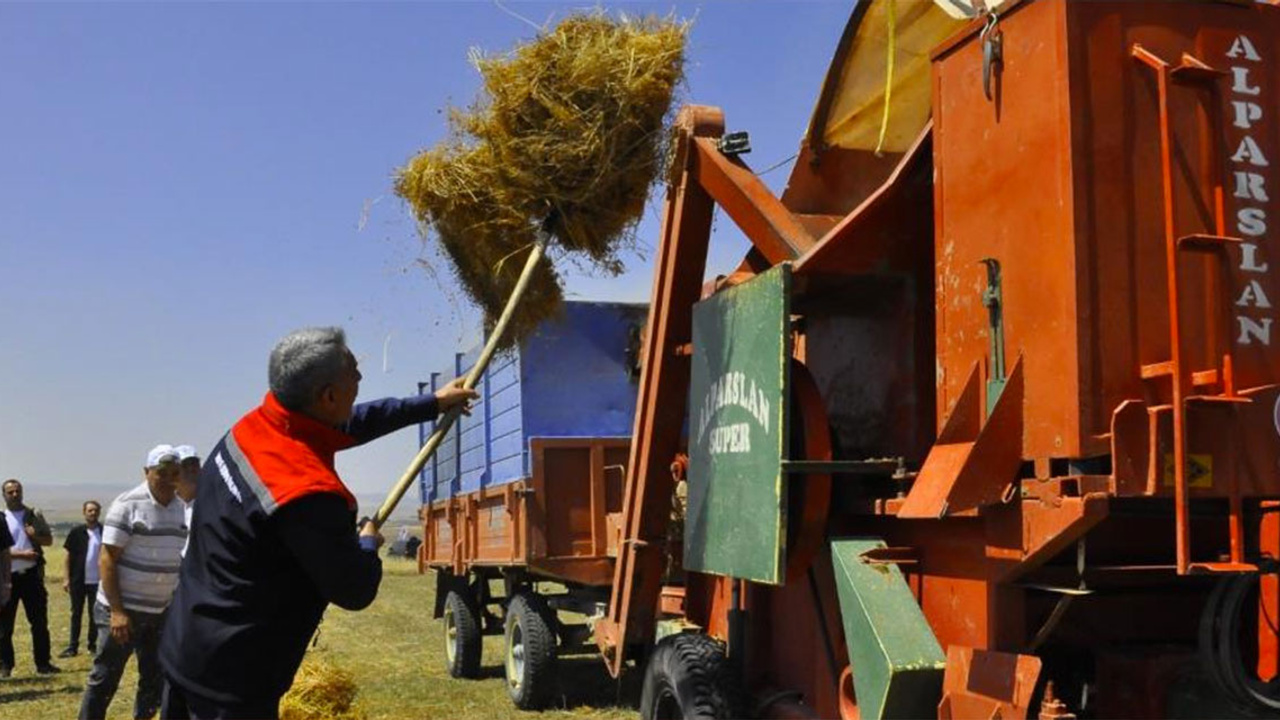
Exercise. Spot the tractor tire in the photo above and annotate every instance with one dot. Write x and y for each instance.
(462, 641)
(688, 676)
(530, 650)
(1228, 663)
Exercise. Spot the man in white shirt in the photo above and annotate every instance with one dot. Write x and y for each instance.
(142, 536)
(80, 575)
(30, 534)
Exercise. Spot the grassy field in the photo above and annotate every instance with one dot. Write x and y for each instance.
(394, 650)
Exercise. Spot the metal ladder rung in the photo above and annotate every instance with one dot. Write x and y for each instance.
(1192, 69)
(1204, 378)
(1217, 400)
(1203, 242)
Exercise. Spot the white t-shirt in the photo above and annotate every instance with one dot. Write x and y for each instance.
(91, 556)
(20, 539)
(151, 537)
(187, 508)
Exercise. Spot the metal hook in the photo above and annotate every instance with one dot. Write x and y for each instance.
(992, 49)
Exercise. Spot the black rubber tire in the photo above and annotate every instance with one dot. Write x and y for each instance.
(464, 659)
(529, 666)
(688, 676)
(1241, 683)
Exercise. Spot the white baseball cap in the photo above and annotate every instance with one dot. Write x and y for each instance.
(186, 452)
(161, 454)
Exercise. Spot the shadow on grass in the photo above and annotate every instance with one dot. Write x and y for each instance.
(9, 695)
(584, 682)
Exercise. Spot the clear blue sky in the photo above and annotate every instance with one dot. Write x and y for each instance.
(182, 184)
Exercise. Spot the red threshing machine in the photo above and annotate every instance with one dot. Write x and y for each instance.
(987, 421)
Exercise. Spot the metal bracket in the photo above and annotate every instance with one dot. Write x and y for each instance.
(993, 300)
(891, 556)
(734, 143)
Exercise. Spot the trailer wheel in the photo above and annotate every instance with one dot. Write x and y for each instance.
(461, 636)
(688, 676)
(530, 652)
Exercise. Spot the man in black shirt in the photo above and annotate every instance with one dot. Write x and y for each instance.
(80, 578)
(6, 542)
(273, 535)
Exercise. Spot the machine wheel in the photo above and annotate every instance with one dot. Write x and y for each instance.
(688, 676)
(461, 636)
(1229, 617)
(530, 652)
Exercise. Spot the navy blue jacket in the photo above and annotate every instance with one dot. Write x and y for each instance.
(273, 541)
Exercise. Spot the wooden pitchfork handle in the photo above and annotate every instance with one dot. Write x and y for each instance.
(446, 422)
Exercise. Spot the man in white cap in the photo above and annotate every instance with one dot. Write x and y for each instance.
(188, 472)
(142, 539)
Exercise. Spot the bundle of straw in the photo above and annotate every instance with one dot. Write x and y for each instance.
(568, 136)
(320, 691)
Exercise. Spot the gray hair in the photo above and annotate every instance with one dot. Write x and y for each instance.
(304, 362)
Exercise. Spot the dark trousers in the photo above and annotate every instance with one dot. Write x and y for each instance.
(79, 593)
(182, 704)
(108, 664)
(28, 589)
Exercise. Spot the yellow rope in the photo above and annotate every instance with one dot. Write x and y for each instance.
(892, 14)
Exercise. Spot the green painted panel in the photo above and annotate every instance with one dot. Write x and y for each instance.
(897, 662)
(736, 517)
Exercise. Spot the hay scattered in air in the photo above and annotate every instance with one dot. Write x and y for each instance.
(320, 691)
(570, 131)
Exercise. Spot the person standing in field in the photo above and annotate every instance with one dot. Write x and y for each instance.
(142, 539)
(31, 534)
(6, 542)
(273, 537)
(188, 473)
(80, 576)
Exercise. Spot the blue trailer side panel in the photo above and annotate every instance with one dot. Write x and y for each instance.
(575, 373)
(571, 378)
(427, 476)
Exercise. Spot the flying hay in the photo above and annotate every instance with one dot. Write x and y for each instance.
(569, 134)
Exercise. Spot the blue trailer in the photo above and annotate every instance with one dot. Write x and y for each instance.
(529, 487)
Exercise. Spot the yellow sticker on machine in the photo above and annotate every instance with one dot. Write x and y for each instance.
(1199, 471)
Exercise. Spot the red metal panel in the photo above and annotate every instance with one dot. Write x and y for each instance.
(554, 523)
(1068, 158)
(766, 222)
(987, 684)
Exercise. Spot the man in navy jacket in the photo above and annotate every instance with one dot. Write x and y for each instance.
(273, 537)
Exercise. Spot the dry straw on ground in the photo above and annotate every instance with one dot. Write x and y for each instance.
(570, 133)
(320, 691)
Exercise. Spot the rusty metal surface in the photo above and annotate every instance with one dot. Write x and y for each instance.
(554, 523)
(681, 259)
(1071, 163)
(987, 684)
(969, 468)
(748, 201)
(1063, 178)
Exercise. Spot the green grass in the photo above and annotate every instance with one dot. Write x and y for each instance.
(394, 649)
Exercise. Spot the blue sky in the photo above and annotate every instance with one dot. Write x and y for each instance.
(182, 184)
